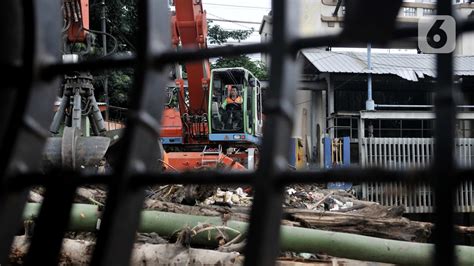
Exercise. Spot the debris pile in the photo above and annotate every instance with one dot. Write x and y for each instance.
(207, 225)
(229, 197)
(312, 197)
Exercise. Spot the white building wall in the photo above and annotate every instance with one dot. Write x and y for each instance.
(312, 24)
(302, 125)
(316, 20)
(465, 43)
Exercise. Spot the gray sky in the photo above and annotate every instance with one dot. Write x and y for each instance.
(240, 10)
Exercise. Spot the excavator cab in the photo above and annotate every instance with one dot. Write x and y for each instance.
(235, 106)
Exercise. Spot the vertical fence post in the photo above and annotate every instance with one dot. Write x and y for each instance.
(263, 237)
(26, 105)
(444, 161)
(141, 149)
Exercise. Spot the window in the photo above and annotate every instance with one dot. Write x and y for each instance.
(229, 89)
(399, 128)
(428, 11)
(409, 11)
(259, 126)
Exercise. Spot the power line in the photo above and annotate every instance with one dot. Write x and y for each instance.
(236, 22)
(232, 30)
(236, 43)
(238, 6)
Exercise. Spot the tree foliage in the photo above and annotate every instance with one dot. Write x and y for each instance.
(257, 68)
(217, 35)
(121, 22)
(122, 18)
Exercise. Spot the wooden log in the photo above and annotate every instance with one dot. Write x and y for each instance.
(375, 220)
(34, 197)
(229, 213)
(91, 195)
(468, 230)
(78, 252)
(389, 228)
(371, 219)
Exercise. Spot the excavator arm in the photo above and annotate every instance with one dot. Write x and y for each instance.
(76, 19)
(189, 28)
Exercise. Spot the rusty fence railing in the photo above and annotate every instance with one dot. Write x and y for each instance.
(31, 67)
(117, 118)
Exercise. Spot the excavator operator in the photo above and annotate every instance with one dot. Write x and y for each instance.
(234, 98)
(232, 105)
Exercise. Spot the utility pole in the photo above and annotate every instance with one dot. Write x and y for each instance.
(369, 104)
(104, 45)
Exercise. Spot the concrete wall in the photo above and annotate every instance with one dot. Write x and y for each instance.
(465, 44)
(317, 19)
(310, 119)
(312, 24)
(302, 117)
(266, 36)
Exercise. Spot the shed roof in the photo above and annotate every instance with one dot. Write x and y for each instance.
(407, 66)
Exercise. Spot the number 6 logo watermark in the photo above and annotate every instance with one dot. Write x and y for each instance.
(437, 34)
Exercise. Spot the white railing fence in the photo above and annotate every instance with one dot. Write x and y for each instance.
(406, 153)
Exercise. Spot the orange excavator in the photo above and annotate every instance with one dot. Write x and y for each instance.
(189, 30)
(185, 127)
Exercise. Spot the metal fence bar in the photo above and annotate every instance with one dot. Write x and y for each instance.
(59, 194)
(57, 203)
(471, 195)
(461, 202)
(168, 57)
(141, 149)
(24, 127)
(443, 163)
(124, 203)
(52, 69)
(12, 28)
(370, 153)
(391, 166)
(266, 211)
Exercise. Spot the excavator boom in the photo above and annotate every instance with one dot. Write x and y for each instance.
(189, 28)
(76, 18)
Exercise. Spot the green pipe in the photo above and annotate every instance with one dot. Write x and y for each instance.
(167, 224)
(364, 248)
(84, 217)
(304, 240)
(294, 239)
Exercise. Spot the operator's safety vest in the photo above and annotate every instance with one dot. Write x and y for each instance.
(237, 100)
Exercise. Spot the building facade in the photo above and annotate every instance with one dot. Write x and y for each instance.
(319, 107)
(331, 101)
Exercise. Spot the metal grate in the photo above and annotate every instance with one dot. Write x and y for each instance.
(29, 85)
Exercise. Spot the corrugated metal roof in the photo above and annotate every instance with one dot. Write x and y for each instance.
(407, 66)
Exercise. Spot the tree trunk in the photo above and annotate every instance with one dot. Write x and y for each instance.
(373, 220)
(388, 228)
